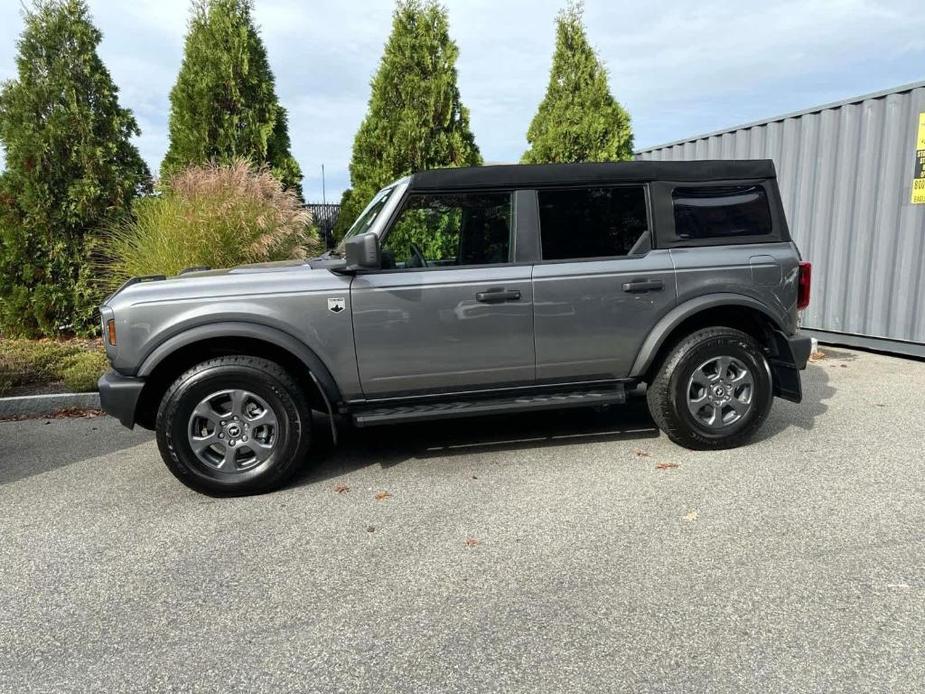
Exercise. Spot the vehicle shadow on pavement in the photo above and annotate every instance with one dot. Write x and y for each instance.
(46, 444)
(817, 389)
(391, 445)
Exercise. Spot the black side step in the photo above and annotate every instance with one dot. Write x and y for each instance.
(612, 395)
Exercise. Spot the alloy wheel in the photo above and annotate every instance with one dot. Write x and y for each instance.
(720, 392)
(233, 431)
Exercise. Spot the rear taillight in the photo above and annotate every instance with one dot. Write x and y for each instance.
(803, 284)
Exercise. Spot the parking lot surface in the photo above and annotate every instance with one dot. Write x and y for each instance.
(577, 550)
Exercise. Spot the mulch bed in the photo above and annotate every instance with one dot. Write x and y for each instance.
(68, 413)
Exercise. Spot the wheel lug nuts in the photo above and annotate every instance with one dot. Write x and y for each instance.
(221, 436)
(223, 422)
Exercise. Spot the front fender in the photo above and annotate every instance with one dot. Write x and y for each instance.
(254, 331)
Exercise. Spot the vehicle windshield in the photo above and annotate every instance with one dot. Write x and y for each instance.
(367, 218)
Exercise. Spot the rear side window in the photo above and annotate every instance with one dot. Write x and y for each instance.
(593, 222)
(721, 212)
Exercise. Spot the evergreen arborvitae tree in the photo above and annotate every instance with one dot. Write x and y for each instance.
(578, 119)
(70, 169)
(416, 119)
(223, 106)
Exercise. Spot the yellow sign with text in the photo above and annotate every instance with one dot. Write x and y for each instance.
(918, 175)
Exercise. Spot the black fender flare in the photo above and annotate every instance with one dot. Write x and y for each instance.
(256, 331)
(682, 312)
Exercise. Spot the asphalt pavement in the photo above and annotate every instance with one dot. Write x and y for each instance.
(570, 551)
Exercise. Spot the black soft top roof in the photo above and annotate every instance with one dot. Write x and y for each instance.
(538, 175)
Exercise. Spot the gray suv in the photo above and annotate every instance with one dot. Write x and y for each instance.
(476, 291)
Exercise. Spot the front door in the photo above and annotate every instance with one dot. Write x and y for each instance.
(448, 312)
(600, 287)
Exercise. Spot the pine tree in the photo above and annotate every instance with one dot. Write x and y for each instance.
(416, 119)
(70, 169)
(578, 120)
(224, 105)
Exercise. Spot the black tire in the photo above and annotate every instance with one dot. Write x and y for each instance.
(668, 393)
(285, 442)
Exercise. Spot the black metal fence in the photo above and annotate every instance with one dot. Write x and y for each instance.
(324, 216)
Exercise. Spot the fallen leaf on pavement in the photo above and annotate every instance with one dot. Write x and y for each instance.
(77, 412)
(666, 466)
(818, 355)
(382, 496)
(341, 488)
(691, 517)
(641, 453)
(471, 542)
(371, 529)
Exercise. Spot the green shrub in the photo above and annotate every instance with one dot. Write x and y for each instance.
(224, 101)
(70, 169)
(416, 119)
(578, 119)
(81, 371)
(40, 362)
(216, 215)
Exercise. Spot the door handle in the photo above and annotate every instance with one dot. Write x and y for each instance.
(641, 286)
(497, 296)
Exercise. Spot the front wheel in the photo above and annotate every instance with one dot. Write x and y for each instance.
(234, 425)
(713, 390)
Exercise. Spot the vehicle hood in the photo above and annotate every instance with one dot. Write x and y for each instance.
(250, 268)
(242, 281)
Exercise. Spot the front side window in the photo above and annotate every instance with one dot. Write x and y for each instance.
(721, 212)
(446, 230)
(593, 222)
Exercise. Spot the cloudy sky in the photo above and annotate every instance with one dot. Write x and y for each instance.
(681, 68)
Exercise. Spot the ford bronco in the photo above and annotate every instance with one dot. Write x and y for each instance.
(476, 291)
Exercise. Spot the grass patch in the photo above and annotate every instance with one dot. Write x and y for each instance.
(37, 363)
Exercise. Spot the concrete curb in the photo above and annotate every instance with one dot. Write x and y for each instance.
(42, 405)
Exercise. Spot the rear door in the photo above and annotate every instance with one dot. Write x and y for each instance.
(449, 311)
(600, 286)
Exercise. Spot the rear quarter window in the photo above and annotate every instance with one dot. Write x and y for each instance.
(721, 212)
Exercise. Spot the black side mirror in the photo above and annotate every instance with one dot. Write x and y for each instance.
(362, 252)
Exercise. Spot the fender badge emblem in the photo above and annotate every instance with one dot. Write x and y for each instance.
(336, 304)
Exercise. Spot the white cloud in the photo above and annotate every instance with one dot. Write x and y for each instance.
(680, 68)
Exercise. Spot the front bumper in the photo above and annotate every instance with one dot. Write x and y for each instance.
(119, 396)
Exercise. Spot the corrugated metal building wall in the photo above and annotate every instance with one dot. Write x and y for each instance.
(845, 171)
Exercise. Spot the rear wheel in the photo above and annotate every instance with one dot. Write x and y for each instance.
(712, 391)
(234, 425)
